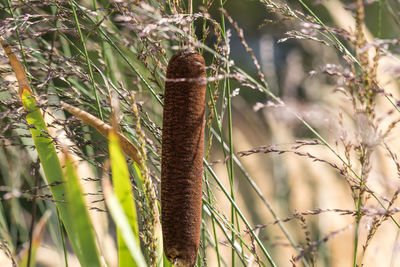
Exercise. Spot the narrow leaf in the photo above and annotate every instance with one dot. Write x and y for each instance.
(123, 190)
(121, 220)
(37, 236)
(82, 229)
(45, 147)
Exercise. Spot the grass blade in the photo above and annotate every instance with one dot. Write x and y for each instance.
(122, 222)
(45, 148)
(258, 241)
(82, 233)
(37, 236)
(87, 60)
(123, 190)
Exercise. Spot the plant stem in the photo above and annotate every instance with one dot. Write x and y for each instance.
(87, 60)
(257, 239)
(212, 220)
(230, 138)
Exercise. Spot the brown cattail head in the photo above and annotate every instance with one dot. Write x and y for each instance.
(182, 156)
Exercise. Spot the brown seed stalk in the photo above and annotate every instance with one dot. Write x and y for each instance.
(19, 70)
(103, 128)
(182, 156)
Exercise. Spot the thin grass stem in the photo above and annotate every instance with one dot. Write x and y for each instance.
(86, 54)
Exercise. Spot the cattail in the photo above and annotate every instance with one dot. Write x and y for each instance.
(182, 156)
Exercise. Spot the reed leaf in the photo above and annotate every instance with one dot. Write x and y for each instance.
(123, 190)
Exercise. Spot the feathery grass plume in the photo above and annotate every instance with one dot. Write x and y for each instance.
(182, 156)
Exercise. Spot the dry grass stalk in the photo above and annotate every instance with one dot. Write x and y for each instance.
(103, 128)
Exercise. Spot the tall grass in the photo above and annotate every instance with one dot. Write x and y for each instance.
(299, 169)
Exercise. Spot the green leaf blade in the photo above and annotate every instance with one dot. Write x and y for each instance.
(123, 190)
(82, 233)
(122, 223)
(54, 175)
